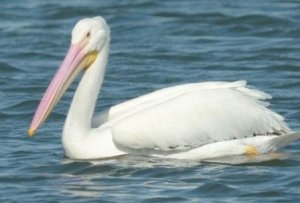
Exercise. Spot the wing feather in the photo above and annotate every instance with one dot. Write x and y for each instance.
(188, 116)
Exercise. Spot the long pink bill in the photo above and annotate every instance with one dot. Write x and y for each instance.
(62, 79)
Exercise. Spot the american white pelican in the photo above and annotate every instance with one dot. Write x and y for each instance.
(192, 121)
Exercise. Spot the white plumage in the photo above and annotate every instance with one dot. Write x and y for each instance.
(192, 121)
(197, 115)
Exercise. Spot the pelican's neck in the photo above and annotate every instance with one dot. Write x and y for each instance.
(78, 122)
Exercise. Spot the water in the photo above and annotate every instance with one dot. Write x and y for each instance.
(154, 44)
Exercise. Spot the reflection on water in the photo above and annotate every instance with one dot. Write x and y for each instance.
(97, 178)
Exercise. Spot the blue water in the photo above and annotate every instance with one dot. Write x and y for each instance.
(155, 44)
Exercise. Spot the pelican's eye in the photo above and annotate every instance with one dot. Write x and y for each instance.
(88, 34)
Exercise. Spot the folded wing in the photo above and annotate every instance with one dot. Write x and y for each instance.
(189, 116)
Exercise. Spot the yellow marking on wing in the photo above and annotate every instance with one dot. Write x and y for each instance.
(251, 150)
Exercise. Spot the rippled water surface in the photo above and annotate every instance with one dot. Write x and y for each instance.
(155, 44)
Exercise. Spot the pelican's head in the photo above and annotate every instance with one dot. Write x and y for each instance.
(89, 36)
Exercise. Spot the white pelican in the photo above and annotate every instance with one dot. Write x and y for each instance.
(192, 121)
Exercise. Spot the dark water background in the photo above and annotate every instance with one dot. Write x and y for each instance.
(154, 44)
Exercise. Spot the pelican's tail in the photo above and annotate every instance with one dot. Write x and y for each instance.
(279, 142)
